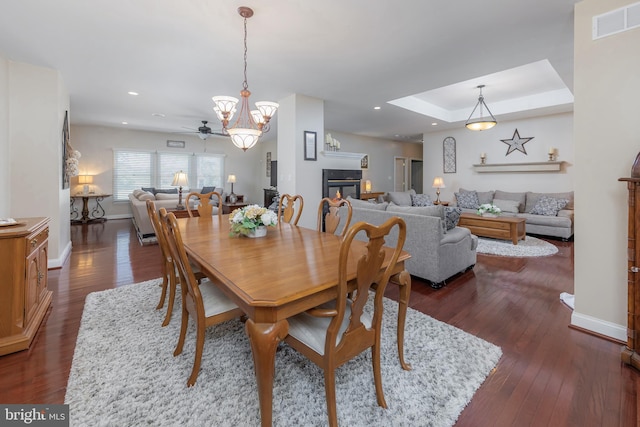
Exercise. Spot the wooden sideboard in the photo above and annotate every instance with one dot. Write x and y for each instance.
(24, 296)
(371, 195)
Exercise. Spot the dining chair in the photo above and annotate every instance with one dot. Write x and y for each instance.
(204, 207)
(207, 304)
(329, 219)
(334, 333)
(286, 211)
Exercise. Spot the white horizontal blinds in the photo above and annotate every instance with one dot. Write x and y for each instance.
(210, 171)
(169, 164)
(131, 170)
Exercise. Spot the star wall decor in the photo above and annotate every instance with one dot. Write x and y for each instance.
(516, 143)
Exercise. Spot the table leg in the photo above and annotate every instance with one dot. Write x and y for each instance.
(85, 209)
(264, 339)
(403, 279)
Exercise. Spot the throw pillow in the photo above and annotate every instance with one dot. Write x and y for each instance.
(151, 190)
(507, 205)
(400, 198)
(506, 195)
(467, 200)
(549, 206)
(146, 196)
(167, 190)
(451, 216)
(483, 196)
(206, 190)
(421, 200)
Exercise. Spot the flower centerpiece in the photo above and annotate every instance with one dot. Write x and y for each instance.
(252, 221)
(488, 210)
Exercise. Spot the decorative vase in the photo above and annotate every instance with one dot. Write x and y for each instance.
(261, 231)
(489, 215)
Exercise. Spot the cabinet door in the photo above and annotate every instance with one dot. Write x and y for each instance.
(36, 283)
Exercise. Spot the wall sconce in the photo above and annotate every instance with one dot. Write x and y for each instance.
(85, 180)
(367, 186)
(438, 183)
(180, 180)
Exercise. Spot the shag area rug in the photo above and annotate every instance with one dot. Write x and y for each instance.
(124, 372)
(529, 247)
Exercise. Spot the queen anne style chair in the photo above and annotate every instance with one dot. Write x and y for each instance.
(207, 304)
(205, 208)
(330, 219)
(332, 334)
(286, 211)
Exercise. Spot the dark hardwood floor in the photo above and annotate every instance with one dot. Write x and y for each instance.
(549, 375)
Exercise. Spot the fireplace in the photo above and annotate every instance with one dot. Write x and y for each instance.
(346, 181)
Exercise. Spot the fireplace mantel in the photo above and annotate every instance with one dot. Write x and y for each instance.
(342, 154)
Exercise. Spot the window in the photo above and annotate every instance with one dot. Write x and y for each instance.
(137, 169)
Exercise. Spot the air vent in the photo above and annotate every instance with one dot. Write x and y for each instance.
(616, 21)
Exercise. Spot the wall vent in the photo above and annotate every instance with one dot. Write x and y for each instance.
(616, 21)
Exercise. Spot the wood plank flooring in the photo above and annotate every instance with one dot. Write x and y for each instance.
(549, 375)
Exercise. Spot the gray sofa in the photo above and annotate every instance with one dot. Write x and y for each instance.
(521, 204)
(436, 253)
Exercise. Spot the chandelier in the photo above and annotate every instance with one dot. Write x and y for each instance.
(250, 124)
(480, 123)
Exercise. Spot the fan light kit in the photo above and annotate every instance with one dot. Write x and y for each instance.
(249, 126)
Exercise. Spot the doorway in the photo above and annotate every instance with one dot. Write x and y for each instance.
(416, 176)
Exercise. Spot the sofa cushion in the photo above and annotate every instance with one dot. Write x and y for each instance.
(451, 216)
(507, 205)
(505, 195)
(166, 196)
(548, 206)
(421, 200)
(483, 196)
(547, 221)
(145, 196)
(401, 198)
(467, 199)
(532, 199)
(364, 204)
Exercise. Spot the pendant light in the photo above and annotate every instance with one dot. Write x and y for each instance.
(480, 122)
(249, 126)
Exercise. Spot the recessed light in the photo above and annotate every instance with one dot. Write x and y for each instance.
(434, 124)
(125, 123)
(133, 93)
(158, 115)
(376, 108)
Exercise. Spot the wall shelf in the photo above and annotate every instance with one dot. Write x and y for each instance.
(519, 167)
(343, 154)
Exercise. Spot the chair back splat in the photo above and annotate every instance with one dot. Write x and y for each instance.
(287, 210)
(206, 203)
(335, 332)
(329, 215)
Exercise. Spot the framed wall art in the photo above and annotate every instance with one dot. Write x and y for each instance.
(310, 145)
(364, 162)
(449, 155)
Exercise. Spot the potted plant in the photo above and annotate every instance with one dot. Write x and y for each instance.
(252, 221)
(488, 210)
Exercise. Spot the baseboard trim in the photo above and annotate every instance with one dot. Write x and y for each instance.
(599, 327)
(59, 262)
(119, 216)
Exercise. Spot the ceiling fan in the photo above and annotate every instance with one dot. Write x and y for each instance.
(205, 131)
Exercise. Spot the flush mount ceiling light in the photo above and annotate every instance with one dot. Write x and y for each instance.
(250, 124)
(480, 122)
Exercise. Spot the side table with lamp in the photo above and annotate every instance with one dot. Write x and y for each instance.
(438, 183)
(232, 197)
(180, 180)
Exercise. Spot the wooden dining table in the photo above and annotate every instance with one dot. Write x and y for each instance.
(272, 278)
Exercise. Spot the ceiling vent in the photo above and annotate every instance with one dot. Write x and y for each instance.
(616, 21)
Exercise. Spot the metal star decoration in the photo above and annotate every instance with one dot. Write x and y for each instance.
(516, 143)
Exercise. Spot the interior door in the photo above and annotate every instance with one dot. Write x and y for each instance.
(416, 176)
(400, 174)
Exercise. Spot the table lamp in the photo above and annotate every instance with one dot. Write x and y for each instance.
(438, 183)
(85, 180)
(180, 180)
(232, 197)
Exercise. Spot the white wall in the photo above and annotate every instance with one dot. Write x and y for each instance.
(96, 144)
(547, 131)
(606, 88)
(5, 147)
(37, 102)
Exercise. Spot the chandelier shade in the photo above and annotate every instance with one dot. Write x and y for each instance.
(480, 122)
(250, 124)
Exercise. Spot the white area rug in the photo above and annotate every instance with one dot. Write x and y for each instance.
(530, 247)
(124, 372)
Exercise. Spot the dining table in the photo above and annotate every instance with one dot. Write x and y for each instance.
(272, 278)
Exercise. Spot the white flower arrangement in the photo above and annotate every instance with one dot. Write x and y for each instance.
(247, 219)
(489, 208)
(71, 163)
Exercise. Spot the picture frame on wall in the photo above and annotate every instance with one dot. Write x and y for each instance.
(449, 155)
(364, 162)
(310, 145)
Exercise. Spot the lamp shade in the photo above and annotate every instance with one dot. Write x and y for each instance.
(231, 179)
(367, 186)
(85, 179)
(180, 179)
(480, 122)
(438, 182)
